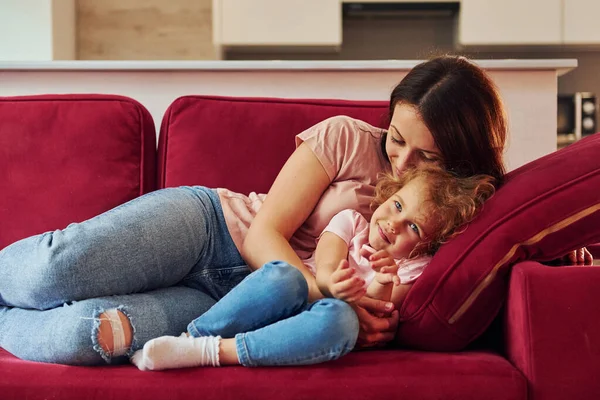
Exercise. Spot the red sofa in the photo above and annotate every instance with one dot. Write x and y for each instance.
(67, 158)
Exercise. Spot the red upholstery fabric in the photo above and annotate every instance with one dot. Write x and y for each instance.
(240, 143)
(595, 250)
(553, 330)
(546, 208)
(373, 375)
(66, 158)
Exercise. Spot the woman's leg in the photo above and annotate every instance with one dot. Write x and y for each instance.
(148, 243)
(69, 334)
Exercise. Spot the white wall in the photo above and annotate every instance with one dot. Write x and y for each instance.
(37, 30)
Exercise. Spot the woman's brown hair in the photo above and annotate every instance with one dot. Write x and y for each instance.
(461, 107)
(451, 201)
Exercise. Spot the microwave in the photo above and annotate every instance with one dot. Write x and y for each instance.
(577, 116)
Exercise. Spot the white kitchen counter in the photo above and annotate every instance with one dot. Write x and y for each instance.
(560, 65)
(529, 87)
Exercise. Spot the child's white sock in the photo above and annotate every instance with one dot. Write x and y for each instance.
(183, 351)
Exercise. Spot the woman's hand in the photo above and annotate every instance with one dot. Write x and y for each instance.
(344, 284)
(375, 331)
(579, 257)
(576, 257)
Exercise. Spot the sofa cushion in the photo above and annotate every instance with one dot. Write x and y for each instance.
(66, 158)
(545, 209)
(381, 374)
(242, 143)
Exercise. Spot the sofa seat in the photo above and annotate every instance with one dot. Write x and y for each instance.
(379, 374)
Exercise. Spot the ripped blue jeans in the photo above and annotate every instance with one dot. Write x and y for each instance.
(163, 259)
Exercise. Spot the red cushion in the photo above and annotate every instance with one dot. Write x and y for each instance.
(545, 209)
(241, 143)
(66, 158)
(366, 375)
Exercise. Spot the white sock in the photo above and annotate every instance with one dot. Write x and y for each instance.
(183, 351)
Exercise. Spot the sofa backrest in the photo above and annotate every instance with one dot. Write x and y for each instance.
(241, 143)
(66, 158)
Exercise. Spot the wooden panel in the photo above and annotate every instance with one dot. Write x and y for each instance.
(63, 30)
(145, 30)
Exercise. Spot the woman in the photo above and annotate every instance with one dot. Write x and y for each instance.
(97, 291)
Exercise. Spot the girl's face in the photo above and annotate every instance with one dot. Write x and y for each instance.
(409, 142)
(400, 223)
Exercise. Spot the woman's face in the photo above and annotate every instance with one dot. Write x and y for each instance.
(409, 142)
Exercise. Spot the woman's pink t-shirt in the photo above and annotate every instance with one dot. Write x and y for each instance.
(350, 152)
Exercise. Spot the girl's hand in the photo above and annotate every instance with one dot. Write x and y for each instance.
(387, 275)
(343, 284)
(379, 259)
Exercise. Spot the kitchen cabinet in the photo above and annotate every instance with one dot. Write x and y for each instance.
(276, 23)
(510, 22)
(581, 21)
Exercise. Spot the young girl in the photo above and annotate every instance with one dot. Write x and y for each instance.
(267, 319)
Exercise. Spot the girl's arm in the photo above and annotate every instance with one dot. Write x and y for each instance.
(390, 291)
(334, 276)
(386, 284)
(294, 194)
(386, 274)
(380, 291)
(331, 249)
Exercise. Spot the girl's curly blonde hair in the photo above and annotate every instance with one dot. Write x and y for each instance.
(452, 202)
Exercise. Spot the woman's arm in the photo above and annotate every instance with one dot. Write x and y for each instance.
(294, 194)
(292, 197)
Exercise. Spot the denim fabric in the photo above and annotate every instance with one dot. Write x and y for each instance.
(273, 324)
(163, 259)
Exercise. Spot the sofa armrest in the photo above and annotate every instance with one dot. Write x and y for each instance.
(552, 329)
